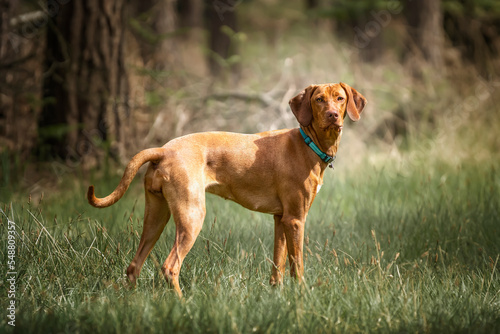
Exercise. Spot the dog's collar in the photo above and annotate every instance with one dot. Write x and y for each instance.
(323, 156)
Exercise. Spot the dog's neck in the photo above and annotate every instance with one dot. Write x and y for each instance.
(327, 140)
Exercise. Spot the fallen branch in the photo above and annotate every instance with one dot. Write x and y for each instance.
(264, 99)
(28, 17)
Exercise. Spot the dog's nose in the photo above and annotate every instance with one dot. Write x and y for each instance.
(332, 114)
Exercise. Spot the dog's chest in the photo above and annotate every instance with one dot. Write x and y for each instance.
(318, 188)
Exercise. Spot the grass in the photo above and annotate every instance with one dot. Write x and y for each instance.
(389, 248)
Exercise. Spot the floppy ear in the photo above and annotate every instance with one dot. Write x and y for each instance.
(301, 105)
(355, 102)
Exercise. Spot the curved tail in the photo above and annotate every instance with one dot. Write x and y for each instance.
(133, 166)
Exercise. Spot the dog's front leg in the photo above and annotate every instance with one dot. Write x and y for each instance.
(294, 234)
(280, 251)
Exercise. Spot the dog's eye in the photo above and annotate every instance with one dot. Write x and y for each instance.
(340, 98)
(319, 99)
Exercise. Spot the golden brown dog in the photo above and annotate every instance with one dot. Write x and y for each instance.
(277, 172)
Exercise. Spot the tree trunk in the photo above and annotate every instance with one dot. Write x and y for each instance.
(222, 23)
(362, 26)
(425, 19)
(21, 70)
(6, 7)
(88, 81)
(158, 22)
(165, 24)
(193, 40)
(190, 13)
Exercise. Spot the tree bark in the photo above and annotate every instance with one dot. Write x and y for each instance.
(6, 7)
(21, 51)
(88, 81)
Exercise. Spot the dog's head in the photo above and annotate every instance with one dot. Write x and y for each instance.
(327, 104)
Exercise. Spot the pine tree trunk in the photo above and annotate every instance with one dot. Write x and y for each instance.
(88, 83)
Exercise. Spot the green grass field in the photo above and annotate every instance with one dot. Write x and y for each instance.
(391, 246)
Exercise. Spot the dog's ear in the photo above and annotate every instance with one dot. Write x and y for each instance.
(355, 102)
(301, 105)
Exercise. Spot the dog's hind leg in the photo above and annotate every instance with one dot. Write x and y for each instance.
(156, 216)
(188, 210)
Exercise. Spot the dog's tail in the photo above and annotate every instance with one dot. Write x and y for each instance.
(133, 166)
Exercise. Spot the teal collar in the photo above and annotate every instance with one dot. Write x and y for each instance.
(323, 156)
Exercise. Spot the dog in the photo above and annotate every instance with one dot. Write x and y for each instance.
(277, 172)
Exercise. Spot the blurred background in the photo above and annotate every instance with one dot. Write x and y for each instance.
(87, 83)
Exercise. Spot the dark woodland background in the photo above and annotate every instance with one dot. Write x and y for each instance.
(84, 82)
